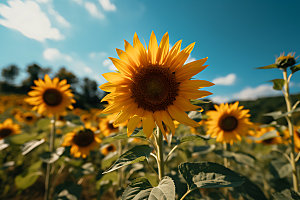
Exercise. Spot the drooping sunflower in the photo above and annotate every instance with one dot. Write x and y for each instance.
(50, 97)
(8, 128)
(82, 140)
(228, 122)
(284, 61)
(105, 150)
(153, 85)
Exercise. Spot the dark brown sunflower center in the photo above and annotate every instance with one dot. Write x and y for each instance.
(154, 88)
(4, 132)
(111, 126)
(84, 138)
(28, 118)
(52, 97)
(228, 123)
(269, 141)
(110, 148)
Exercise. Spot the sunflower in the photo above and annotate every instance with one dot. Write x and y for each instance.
(297, 138)
(228, 122)
(107, 126)
(8, 128)
(260, 131)
(284, 61)
(29, 118)
(50, 97)
(105, 150)
(82, 140)
(153, 85)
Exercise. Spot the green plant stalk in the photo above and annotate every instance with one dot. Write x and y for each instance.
(289, 119)
(49, 165)
(226, 162)
(160, 153)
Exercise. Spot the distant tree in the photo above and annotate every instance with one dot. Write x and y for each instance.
(71, 78)
(89, 96)
(34, 72)
(10, 73)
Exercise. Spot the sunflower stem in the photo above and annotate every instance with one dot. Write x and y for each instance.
(160, 153)
(226, 162)
(49, 165)
(289, 119)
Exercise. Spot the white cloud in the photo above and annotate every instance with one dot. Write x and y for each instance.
(97, 55)
(107, 63)
(87, 69)
(250, 93)
(52, 54)
(28, 18)
(107, 5)
(80, 2)
(226, 80)
(190, 59)
(60, 19)
(93, 10)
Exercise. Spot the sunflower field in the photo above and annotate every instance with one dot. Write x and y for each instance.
(155, 136)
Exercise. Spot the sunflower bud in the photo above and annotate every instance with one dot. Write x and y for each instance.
(285, 61)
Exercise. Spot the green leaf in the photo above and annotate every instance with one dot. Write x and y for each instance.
(3, 144)
(134, 155)
(43, 124)
(49, 157)
(21, 138)
(275, 114)
(137, 133)
(209, 175)
(164, 190)
(295, 68)
(278, 84)
(280, 168)
(287, 195)
(193, 138)
(29, 146)
(239, 157)
(199, 101)
(268, 67)
(68, 191)
(195, 115)
(23, 182)
(135, 187)
(249, 190)
(203, 149)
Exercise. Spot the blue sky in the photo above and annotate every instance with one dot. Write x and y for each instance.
(235, 35)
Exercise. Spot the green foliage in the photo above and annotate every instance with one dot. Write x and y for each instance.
(135, 187)
(287, 195)
(278, 84)
(295, 68)
(209, 175)
(239, 157)
(134, 155)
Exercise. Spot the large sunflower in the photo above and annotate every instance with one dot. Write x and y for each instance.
(8, 128)
(50, 97)
(82, 140)
(228, 122)
(153, 85)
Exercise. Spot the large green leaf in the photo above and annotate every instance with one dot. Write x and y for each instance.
(49, 157)
(23, 182)
(164, 190)
(21, 138)
(137, 133)
(239, 157)
(266, 136)
(134, 155)
(203, 149)
(249, 191)
(287, 195)
(29, 146)
(209, 175)
(268, 67)
(278, 84)
(190, 138)
(135, 187)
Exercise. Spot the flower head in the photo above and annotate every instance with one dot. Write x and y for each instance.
(50, 97)
(8, 128)
(153, 85)
(284, 61)
(228, 122)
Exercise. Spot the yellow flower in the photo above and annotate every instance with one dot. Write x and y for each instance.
(29, 118)
(153, 85)
(8, 128)
(107, 127)
(258, 132)
(228, 123)
(82, 140)
(297, 138)
(50, 97)
(105, 150)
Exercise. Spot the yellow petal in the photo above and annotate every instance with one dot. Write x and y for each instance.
(148, 125)
(132, 124)
(189, 70)
(195, 84)
(163, 49)
(121, 66)
(180, 116)
(194, 94)
(152, 48)
(181, 57)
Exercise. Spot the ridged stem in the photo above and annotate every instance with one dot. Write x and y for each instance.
(160, 153)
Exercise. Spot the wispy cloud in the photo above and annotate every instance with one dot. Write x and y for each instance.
(107, 63)
(93, 10)
(52, 54)
(97, 55)
(248, 93)
(226, 80)
(60, 19)
(28, 18)
(107, 5)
